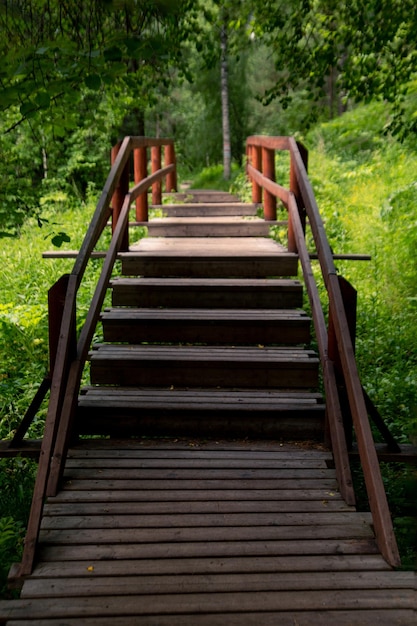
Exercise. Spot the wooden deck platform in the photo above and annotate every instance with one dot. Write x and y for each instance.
(187, 533)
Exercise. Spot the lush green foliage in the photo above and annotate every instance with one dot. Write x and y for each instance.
(16, 485)
(366, 189)
(341, 51)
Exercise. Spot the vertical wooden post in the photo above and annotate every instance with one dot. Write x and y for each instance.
(140, 161)
(256, 158)
(349, 297)
(268, 168)
(171, 179)
(155, 166)
(119, 195)
(292, 242)
(294, 186)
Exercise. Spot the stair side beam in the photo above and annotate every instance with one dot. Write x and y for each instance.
(334, 413)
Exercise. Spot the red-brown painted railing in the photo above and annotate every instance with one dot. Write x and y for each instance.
(71, 354)
(301, 203)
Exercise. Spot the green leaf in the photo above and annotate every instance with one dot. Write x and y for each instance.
(27, 109)
(58, 239)
(43, 99)
(93, 81)
(113, 54)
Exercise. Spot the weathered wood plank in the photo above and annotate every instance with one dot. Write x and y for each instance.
(117, 536)
(185, 507)
(215, 584)
(151, 567)
(388, 617)
(235, 486)
(203, 549)
(196, 226)
(257, 602)
(206, 326)
(203, 464)
(189, 520)
(196, 448)
(207, 292)
(209, 257)
(96, 491)
(187, 366)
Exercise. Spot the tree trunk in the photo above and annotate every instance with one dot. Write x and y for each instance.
(225, 103)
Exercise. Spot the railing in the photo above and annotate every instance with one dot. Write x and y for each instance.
(301, 204)
(71, 353)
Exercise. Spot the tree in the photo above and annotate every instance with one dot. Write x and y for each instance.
(53, 50)
(354, 50)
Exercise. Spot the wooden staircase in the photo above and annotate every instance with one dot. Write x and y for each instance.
(225, 349)
(205, 496)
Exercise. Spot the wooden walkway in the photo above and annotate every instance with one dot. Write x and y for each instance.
(214, 517)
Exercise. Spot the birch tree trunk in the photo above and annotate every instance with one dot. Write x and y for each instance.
(225, 102)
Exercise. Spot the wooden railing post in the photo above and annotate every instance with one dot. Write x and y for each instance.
(171, 179)
(294, 184)
(268, 168)
(140, 161)
(155, 166)
(119, 195)
(349, 296)
(256, 159)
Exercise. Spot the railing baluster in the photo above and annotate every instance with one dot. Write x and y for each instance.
(155, 166)
(140, 160)
(171, 179)
(268, 167)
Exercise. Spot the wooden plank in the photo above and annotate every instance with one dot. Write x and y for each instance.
(203, 227)
(388, 617)
(132, 463)
(188, 520)
(257, 602)
(184, 507)
(151, 567)
(172, 265)
(232, 534)
(207, 292)
(208, 549)
(227, 247)
(209, 257)
(123, 423)
(27, 448)
(185, 366)
(197, 448)
(128, 491)
(194, 485)
(206, 326)
(196, 474)
(215, 584)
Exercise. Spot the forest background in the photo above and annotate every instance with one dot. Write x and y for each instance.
(340, 76)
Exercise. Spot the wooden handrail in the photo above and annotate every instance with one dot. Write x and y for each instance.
(69, 362)
(302, 197)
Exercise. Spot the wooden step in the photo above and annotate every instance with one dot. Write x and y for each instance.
(207, 292)
(223, 326)
(214, 257)
(216, 366)
(209, 227)
(219, 209)
(120, 412)
(202, 196)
